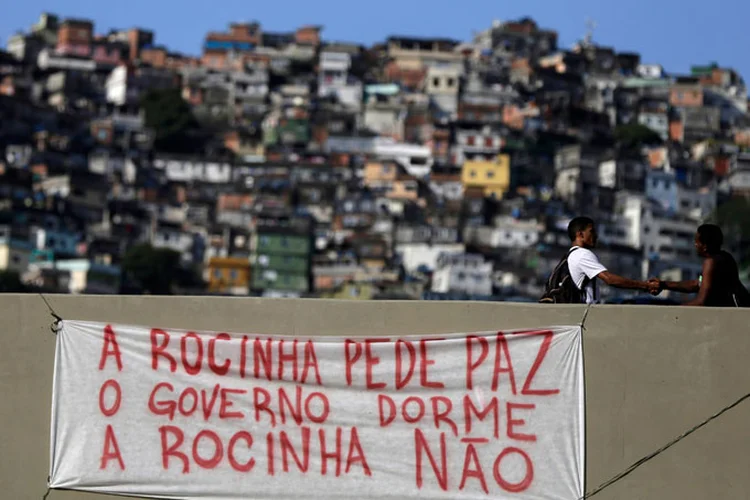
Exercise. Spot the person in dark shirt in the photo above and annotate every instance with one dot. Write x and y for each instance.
(719, 284)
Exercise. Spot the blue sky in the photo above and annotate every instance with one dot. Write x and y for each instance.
(675, 33)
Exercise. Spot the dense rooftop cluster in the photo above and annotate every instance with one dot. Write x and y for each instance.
(281, 164)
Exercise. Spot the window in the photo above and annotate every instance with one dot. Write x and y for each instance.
(234, 274)
(489, 142)
(284, 242)
(472, 173)
(217, 274)
(264, 241)
(470, 140)
(490, 174)
(646, 230)
(270, 275)
(450, 82)
(436, 82)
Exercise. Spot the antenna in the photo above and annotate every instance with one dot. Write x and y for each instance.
(590, 27)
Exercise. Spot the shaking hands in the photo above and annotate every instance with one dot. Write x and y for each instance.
(655, 286)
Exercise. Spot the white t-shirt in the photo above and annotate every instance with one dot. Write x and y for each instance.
(583, 263)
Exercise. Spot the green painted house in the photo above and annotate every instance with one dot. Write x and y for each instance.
(281, 258)
(288, 131)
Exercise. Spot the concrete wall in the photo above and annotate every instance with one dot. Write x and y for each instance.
(651, 373)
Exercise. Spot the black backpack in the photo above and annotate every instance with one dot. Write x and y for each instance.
(560, 288)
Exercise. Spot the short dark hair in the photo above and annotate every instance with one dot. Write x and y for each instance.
(578, 224)
(711, 236)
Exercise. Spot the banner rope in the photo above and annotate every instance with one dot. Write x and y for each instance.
(585, 315)
(49, 490)
(55, 324)
(661, 450)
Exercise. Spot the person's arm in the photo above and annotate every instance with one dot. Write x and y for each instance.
(690, 286)
(619, 282)
(706, 284)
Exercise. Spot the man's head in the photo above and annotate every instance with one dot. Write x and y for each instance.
(582, 232)
(708, 239)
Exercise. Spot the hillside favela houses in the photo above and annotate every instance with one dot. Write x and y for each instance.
(282, 164)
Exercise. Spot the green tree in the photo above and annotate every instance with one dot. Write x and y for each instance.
(172, 120)
(152, 270)
(634, 135)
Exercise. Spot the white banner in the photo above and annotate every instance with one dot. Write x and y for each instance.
(178, 414)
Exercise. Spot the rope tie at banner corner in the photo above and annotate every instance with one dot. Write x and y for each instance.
(49, 490)
(56, 324)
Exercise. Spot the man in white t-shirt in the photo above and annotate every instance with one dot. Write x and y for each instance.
(585, 268)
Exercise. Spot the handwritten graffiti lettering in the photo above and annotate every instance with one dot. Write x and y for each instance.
(151, 411)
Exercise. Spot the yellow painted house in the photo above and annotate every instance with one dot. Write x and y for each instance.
(229, 275)
(492, 176)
